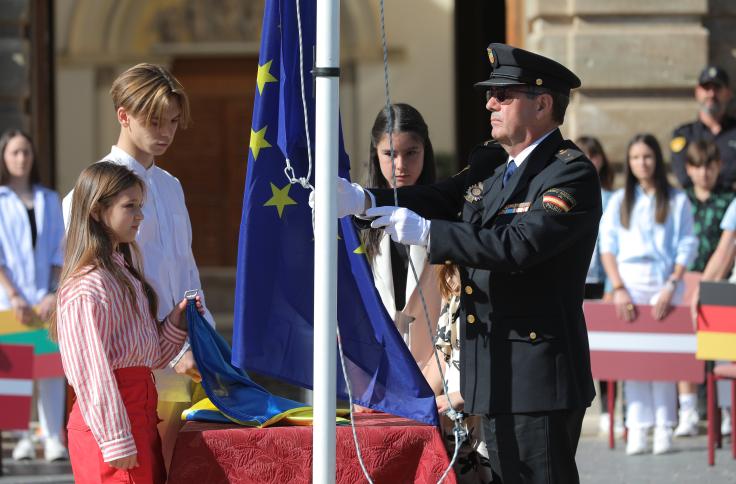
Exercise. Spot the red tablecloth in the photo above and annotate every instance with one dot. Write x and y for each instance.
(395, 450)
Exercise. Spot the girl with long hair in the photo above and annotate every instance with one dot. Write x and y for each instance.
(108, 333)
(646, 244)
(413, 164)
(31, 252)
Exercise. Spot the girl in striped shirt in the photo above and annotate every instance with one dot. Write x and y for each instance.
(108, 335)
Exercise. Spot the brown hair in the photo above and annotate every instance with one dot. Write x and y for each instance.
(448, 276)
(146, 91)
(661, 185)
(89, 244)
(405, 119)
(592, 147)
(9, 134)
(702, 153)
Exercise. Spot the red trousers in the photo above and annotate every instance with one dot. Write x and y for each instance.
(138, 390)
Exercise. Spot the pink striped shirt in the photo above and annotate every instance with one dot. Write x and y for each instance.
(101, 331)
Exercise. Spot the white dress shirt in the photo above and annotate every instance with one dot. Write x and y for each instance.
(165, 240)
(30, 269)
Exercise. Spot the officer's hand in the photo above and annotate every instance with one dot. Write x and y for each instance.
(351, 198)
(624, 305)
(403, 225)
(664, 303)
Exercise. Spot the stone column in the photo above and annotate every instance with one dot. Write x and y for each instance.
(638, 62)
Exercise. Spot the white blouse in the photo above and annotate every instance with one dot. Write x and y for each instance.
(30, 269)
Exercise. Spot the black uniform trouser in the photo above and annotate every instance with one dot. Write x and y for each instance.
(536, 448)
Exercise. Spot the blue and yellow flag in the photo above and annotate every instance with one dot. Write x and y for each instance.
(273, 331)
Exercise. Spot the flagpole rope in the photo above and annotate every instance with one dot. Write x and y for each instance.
(459, 429)
(289, 170)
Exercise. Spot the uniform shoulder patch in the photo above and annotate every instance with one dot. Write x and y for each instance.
(556, 200)
(678, 143)
(568, 154)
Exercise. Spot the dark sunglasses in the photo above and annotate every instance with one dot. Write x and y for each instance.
(504, 95)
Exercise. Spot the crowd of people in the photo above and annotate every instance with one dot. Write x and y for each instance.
(504, 252)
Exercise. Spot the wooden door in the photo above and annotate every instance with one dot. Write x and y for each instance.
(209, 158)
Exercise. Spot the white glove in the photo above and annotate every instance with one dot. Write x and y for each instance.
(350, 198)
(403, 225)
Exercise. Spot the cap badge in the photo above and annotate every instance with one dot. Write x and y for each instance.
(539, 82)
(474, 192)
(491, 58)
(712, 72)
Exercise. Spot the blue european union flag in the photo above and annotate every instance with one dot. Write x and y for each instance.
(273, 332)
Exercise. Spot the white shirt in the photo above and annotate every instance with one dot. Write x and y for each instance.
(521, 157)
(29, 268)
(646, 252)
(165, 240)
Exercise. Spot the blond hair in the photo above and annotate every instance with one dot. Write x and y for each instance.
(146, 91)
(89, 244)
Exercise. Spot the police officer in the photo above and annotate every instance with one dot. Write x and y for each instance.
(713, 94)
(523, 235)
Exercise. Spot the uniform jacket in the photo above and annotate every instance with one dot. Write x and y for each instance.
(523, 252)
(410, 320)
(725, 140)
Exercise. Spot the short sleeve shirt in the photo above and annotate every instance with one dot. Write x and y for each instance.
(707, 218)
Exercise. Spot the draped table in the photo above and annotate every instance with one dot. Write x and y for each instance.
(394, 449)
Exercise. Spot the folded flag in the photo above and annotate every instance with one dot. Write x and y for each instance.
(717, 321)
(16, 386)
(273, 326)
(228, 388)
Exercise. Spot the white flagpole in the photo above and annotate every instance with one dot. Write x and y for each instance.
(325, 239)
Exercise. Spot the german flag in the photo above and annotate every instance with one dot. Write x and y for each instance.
(717, 321)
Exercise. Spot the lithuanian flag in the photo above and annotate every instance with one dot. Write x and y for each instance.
(46, 361)
(717, 321)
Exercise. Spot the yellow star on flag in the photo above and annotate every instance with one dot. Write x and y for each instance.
(258, 141)
(264, 76)
(359, 250)
(280, 198)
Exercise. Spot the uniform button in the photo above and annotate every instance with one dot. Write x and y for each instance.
(470, 318)
(532, 336)
(448, 262)
(468, 290)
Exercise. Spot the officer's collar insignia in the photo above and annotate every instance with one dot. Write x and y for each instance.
(491, 57)
(515, 208)
(474, 192)
(677, 144)
(556, 200)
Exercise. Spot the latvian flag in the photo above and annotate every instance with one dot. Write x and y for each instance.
(717, 321)
(16, 386)
(644, 349)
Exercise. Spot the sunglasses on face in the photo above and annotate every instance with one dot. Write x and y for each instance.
(504, 95)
